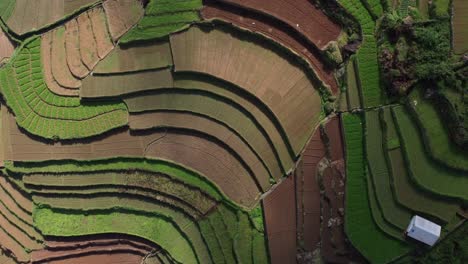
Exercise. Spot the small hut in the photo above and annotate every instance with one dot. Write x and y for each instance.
(423, 230)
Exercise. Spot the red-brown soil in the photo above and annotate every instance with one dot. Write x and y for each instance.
(46, 44)
(208, 157)
(12, 248)
(93, 249)
(88, 45)
(59, 64)
(72, 45)
(101, 34)
(259, 68)
(308, 193)
(149, 120)
(6, 46)
(333, 133)
(275, 30)
(301, 15)
(280, 222)
(122, 15)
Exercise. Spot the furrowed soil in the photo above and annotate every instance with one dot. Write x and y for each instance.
(6, 46)
(460, 26)
(301, 15)
(122, 15)
(203, 155)
(274, 29)
(294, 100)
(280, 222)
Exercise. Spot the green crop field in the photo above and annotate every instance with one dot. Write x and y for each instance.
(373, 243)
(429, 175)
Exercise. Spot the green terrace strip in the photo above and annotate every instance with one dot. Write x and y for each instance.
(368, 68)
(406, 192)
(360, 226)
(152, 226)
(48, 115)
(375, 7)
(175, 171)
(436, 138)
(429, 175)
(163, 17)
(392, 212)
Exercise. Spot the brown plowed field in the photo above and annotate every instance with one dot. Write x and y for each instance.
(10, 245)
(46, 48)
(300, 15)
(17, 234)
(151, 55)
(280, 222)
(121, 84)
(122, 15)
(72, 45)
(256, 66)
(205, 156)
(105, 248)
(310, 195)
(59, 65)
(6, 46)
(101, 34)
(23, 202)
(460, 26)
(275, 30)
(333, 132)
(88, 45)
(35, 14)
(186, 120)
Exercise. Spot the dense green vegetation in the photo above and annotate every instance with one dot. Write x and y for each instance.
(360, 227)
(45, 114)
(427, 174)
(163, 17)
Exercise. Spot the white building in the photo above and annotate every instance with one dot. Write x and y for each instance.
(423, 230)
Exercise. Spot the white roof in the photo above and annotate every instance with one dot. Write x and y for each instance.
(423, 230)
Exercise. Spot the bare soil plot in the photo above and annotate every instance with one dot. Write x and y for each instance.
(116, 249)
(59, 65)
(88, 44)
(149, 120)
(151, 55)
(30, 15)
(6, 46)
(72, 45)
(335, 140)
(274, 29)
(309, 195)
(460, 26)
(248, 64)
(122, 15)
(125, 83)
(222, 110)
(205, 156)
(280, 222)
(10, 245)
(300, 15)
(101, 34)
(46, 58)
(24, 203)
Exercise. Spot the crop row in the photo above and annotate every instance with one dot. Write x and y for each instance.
(375, 7)
(368, 68)
(162, 18)
(359, 11)
(375, 152)
(428, 174)
(49, 121)
(142, 181)
(406, 192)
(214, 239)
(360, 227)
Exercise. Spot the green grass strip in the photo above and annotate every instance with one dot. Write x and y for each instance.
(6, 8)
(436, 137)
(116, 164)
(426, 173)
(392, 212)
(360, 227)
(45, 114)
(357, 9)
(153, 227)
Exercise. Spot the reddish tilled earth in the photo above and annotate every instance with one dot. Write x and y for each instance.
(274, 29)
(280, 222)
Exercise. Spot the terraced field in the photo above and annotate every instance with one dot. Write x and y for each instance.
(219, 131)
